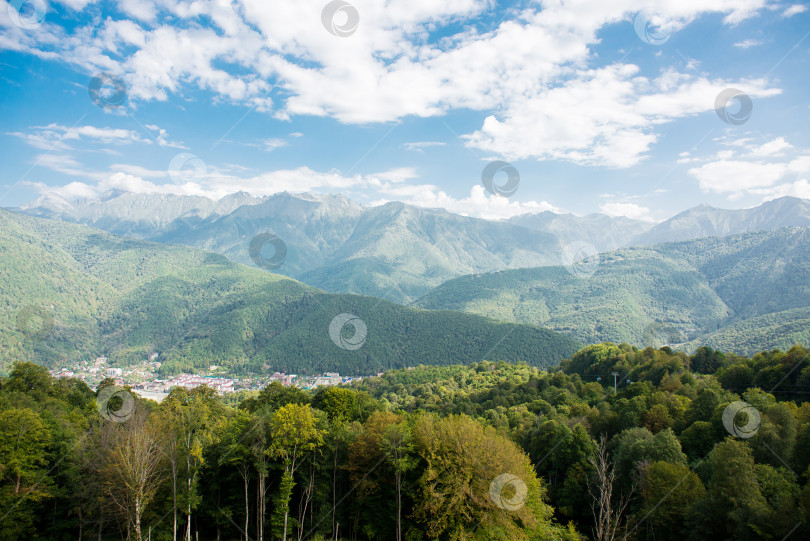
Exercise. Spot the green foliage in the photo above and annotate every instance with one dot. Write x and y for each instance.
(463, 458)
(126, 299)
(668, 492)
(704, 292)
(342, 404)
(414, 454)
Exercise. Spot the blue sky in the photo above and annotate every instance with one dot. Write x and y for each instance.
(411, 103)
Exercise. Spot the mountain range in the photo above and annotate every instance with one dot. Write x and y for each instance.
(393, 251)
(742, 293)
(70, 292)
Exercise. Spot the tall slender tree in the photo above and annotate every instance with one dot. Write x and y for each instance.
(133, 468)
(294, 432)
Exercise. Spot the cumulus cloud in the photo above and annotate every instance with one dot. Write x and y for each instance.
(736, 176)
(478, 204)
(763, 169)
(772, 148)
(629, 210)
(530, 73)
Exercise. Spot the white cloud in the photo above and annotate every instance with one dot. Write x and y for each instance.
(76, 5)
(143, 10)
(376, 188)
(58, 137)
(748, 43)
(736, 177)
(420, 146)
(629, 210)
(799, 188)
(478, 204)
(772, 148)
(272, 144)
(61, 163)
(530, 73)
(604, 117)
(754, 168)
(163, 138)
(72, 190)
(795, 9)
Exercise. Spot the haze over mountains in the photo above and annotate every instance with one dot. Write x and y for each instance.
(70, 293)
(730, 288)
(743, 293)
(394, 251)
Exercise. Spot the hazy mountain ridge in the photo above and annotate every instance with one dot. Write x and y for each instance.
(706, 221)
(97, 294)
(704, 290)
(395, 251)
(602, 231)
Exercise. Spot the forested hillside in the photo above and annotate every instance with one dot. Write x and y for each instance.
(71, 292)
(744, 293)
(689, 447)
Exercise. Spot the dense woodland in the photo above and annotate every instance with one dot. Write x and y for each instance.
(741, 293)
(418, 454)
(125, 299)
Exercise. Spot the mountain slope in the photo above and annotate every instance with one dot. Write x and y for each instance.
(603, 232)
(72, 292)
(706, 221)
(675, 292)
(394, 251)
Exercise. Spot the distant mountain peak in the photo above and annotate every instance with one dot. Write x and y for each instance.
(49, 201)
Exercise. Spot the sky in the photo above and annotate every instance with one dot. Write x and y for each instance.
(488, 109)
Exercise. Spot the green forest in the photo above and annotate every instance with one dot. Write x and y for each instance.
(615, 443)
(71, 293)
(741, 293)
